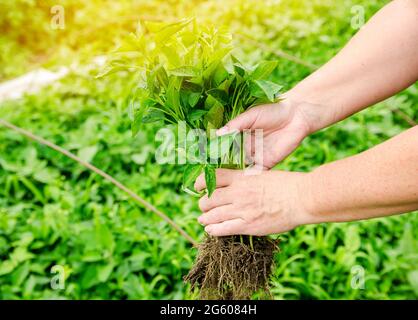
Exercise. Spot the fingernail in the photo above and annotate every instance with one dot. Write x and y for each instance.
(208, 229)
(199, 219)
(222, 131)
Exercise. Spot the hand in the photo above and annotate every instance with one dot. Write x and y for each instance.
(267, 203)
(285, 125)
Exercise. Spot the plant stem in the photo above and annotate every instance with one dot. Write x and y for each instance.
(242, 153)
(251, 242)
(242, 163)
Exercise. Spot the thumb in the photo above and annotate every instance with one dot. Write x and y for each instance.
(244, 121)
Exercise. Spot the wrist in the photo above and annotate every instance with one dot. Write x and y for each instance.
(309, 212)
(316, 115)
(318, 105)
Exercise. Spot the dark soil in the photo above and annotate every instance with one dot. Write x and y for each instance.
(233, 267)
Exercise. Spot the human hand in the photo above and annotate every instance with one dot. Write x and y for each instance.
(284, 124)
(267, 203)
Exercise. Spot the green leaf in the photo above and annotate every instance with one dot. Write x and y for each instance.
(216, 71)
(46, 175)
(87, 153)
(352, 239)
(7, 267)
(238, 66)
(268, 89)
(413, 280)
(105, 238)
(210, 70)
(194, 99)
(21, 254)
(136, 113)
(210, 178)
(225, 85)
(173, 94)
(139, 103)
(89, 277)
(191, 172)
(215, 115)
(186, 71)
(220, 75)
(108, 70)
(263, 70)
(20, 274)
(220, 54)
(197, 114)
(220, 145)
(172, 54)
(239, 69)
(161, 76)
(219, 95)
(165, 31)
(151, 83)
(104, 271)
(153, 115)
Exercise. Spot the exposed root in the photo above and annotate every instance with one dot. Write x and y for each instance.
(234, 267)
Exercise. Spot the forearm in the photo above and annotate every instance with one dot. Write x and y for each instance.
(379, 61)
(379, 182)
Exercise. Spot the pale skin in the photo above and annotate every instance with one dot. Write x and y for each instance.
(379, 61)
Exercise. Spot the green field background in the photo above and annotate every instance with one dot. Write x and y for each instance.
(55, 212)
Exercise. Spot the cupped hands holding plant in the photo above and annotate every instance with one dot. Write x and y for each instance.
(259, 204)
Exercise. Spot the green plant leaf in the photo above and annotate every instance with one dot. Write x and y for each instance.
(413, 280)
(136, 111)
(87, 153)
(268, 89)
(190, 174)
(7, 266)
(238, 67)
(172, 54)
(194, 99)
(165, 31)
(210, 178)
(263, 70)
(186, 71)
(215, 115)
(210, 70)
(153, 115)
(220, 75)
(197, 114)
(220, 145)
(173, 94)
(136, 114)
(219, 95)
(161, 76)
(108, 70)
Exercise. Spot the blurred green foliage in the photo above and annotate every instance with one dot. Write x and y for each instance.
(54, 212)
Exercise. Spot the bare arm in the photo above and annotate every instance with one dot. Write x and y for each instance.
(378, 182)
(379, 61)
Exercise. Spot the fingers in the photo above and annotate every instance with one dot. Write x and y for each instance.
(220, 197)
(249, 147)
(241, 122)
(285, 142)
(227, 228)
(224, 178)
(219, 214)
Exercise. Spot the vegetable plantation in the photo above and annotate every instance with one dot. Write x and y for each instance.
(56, 213)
